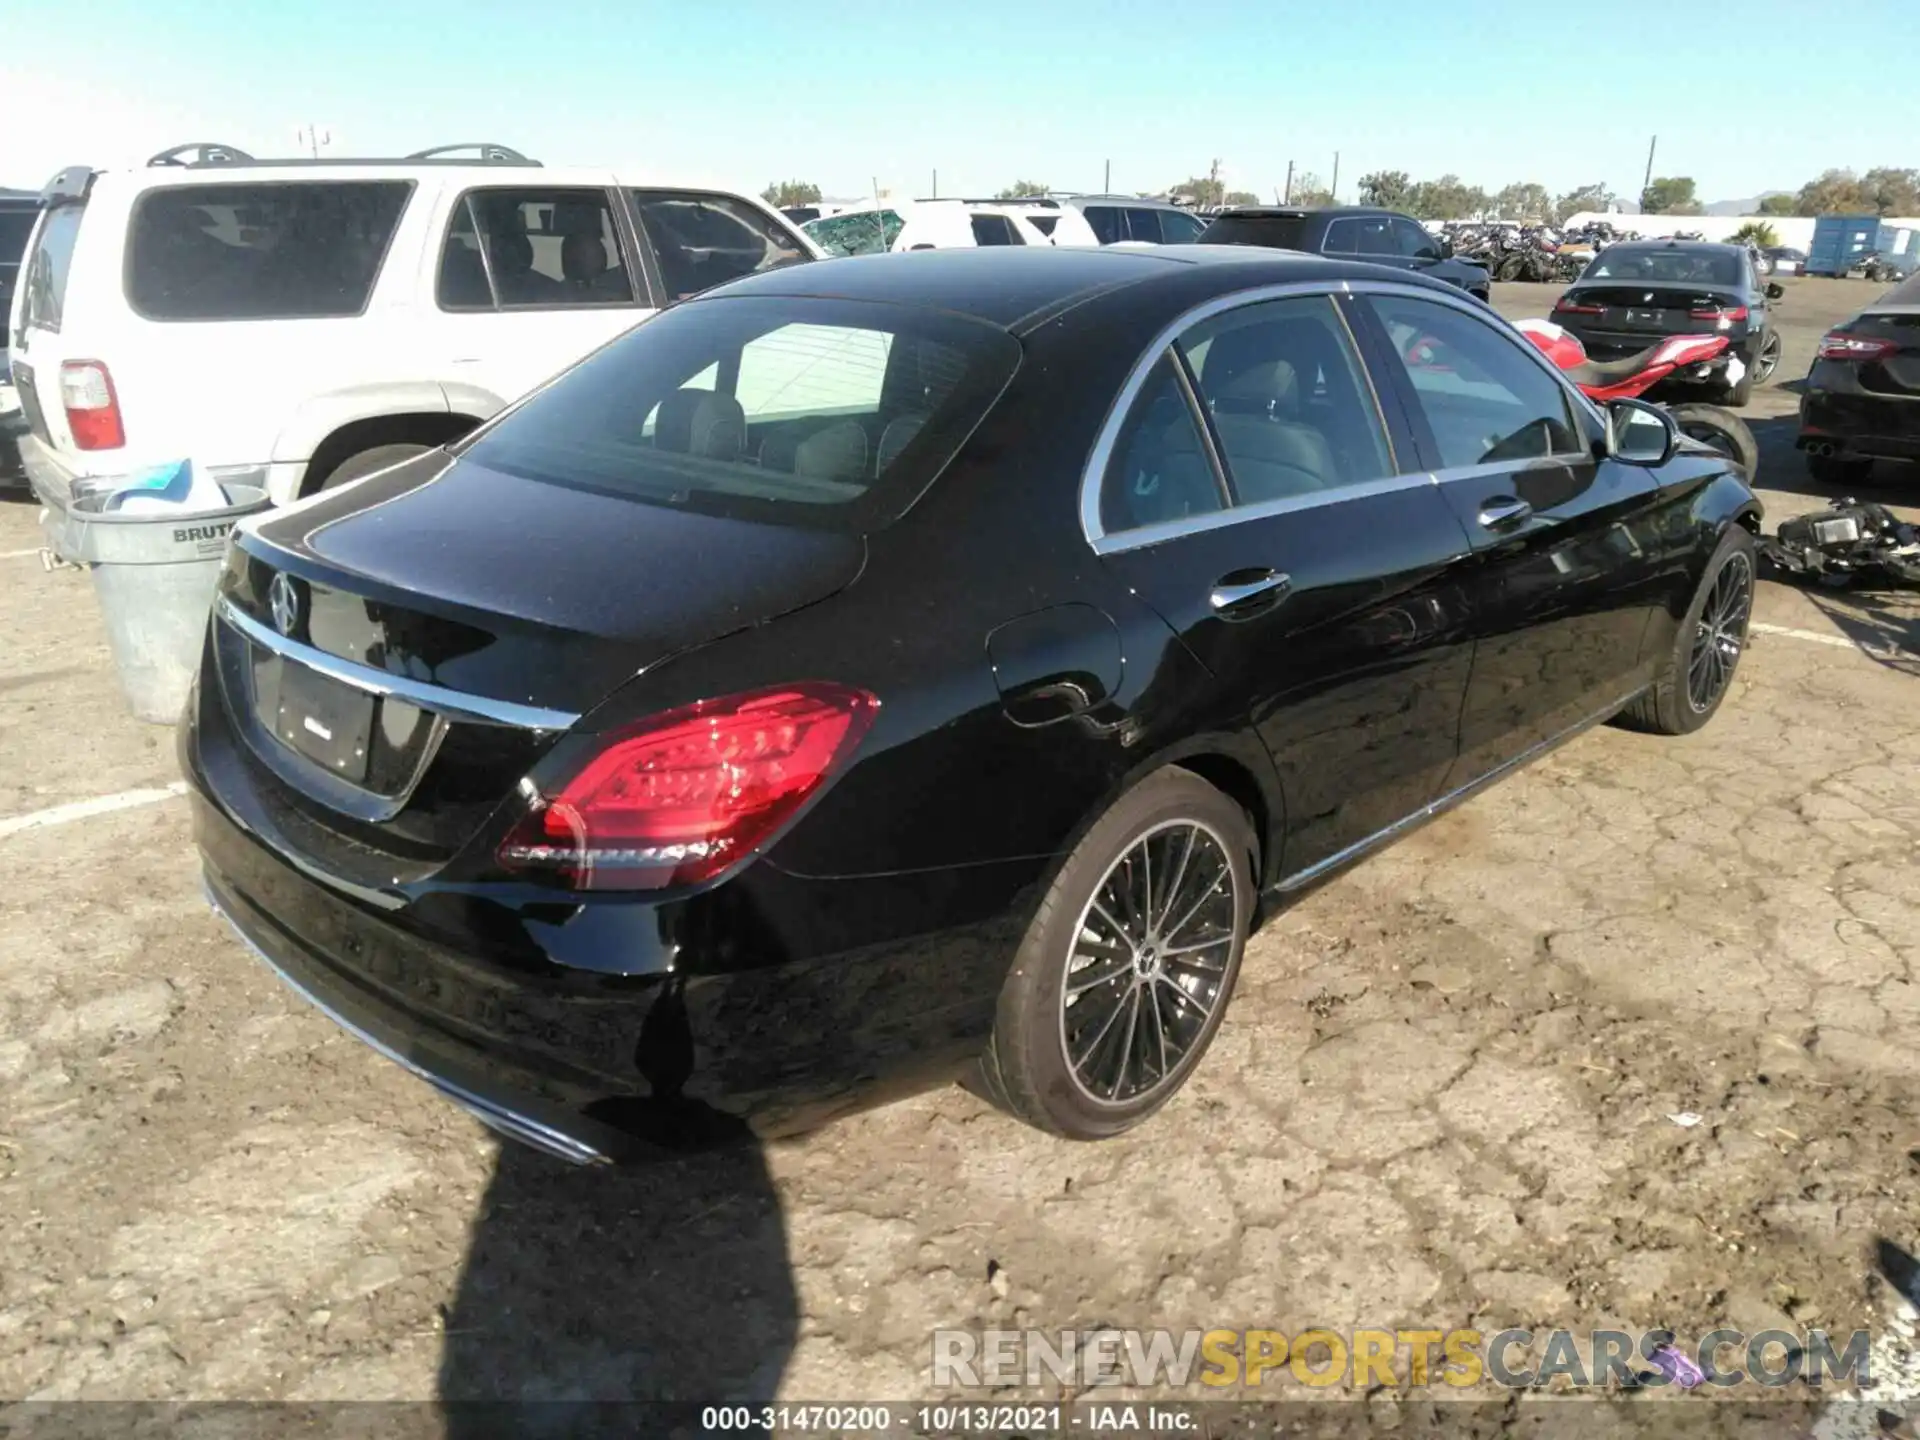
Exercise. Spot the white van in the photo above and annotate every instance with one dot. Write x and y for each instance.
(298, 324)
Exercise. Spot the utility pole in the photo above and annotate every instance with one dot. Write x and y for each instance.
(1214, 193)
(1106, 185)
(1333, 190)
(936, 184)
(1647, 184)
(1289, 198)
(313, 137)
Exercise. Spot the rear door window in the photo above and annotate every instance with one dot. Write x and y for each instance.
(285, 250)
(1143, 225)
(701, 240)
(994, 230)
(1177, 227)
(47, 267)
(533, 248)
(1106, 223)
(1343, 238)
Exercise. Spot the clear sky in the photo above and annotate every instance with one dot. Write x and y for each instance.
(1744, 96)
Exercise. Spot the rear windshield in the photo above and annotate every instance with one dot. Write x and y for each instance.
(289, 250)
(1667, 264)
(833, 413)
(47, 267)
(1278, 232)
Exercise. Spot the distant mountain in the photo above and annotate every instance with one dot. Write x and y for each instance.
(1742, 207)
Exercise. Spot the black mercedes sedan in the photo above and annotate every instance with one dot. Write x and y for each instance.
(1861, 402)
(923, 667)
(1640, 290)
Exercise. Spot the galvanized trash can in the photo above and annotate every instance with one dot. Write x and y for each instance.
(154, 576)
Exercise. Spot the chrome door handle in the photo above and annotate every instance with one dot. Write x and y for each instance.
(1502, 511)
(1236, 591)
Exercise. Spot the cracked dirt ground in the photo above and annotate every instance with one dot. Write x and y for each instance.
(1441, 1096)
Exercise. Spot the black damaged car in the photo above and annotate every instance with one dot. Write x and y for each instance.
(925, 667)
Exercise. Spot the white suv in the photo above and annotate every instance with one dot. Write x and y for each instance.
(888, 225)
(300, 324)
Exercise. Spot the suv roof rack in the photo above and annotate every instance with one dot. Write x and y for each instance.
(988, 200)
(208, 154)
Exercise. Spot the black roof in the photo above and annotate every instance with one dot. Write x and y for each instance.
(1006, 286)
(1296, 212)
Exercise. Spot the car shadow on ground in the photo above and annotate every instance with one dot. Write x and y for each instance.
(1784, 468)
(590, 1296)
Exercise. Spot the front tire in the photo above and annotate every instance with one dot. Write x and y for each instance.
(1124, 975)
(365, 462)
(1698, 671)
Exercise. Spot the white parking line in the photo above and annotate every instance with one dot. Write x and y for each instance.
(87, 809)
(1814, 637)
(17, 554)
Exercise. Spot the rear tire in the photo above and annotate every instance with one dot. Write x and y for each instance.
(1768, 360)
(1723, 430)
(1697, 674)
(365, 462)
(1146, 973)
(1737, 396)
(1838, 470)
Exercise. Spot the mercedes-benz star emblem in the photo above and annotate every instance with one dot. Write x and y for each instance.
(284, 599)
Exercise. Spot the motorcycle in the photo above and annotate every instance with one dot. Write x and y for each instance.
(1877, 268)
(1691, 357)
(1847, 543)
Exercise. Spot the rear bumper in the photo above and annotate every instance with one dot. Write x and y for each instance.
(767, 1006)
(1857, 422)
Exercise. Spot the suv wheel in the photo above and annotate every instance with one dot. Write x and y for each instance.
(365, 462)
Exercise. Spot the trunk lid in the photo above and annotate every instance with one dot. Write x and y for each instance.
(1897, 373)
(1652, 309)
(397, 654)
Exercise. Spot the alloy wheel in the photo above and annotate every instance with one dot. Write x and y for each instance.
(1721, 633)
(1769, 358)
(1150, 961)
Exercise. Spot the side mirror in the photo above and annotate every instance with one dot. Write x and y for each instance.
(1775, 289)
(1640, 434)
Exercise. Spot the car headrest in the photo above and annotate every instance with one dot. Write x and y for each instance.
(583, 257)
(838, 452)
(511, 252)
(701, 423)
(896, 437)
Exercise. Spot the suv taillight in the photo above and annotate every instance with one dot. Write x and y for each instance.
(1836, 346)
(683, 796)
(93, 410)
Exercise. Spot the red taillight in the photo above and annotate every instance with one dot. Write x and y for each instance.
(1726, 315)
(684, 796)
(1566, 306)
(93, 410)
(1836, 346)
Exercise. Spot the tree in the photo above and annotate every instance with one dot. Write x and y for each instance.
(1895, 192)
(1757, 232)
(1781, 204)
(1241, 197)
(1669, 195)
(1308, 191)
(1523, 201)
(791, 192)
(1834, 191)
(1448, 198)
(1595, 198)
(1021, 189)
(1203, 191)
(1389, 189)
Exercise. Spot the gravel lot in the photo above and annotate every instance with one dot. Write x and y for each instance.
(1441, 1096)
